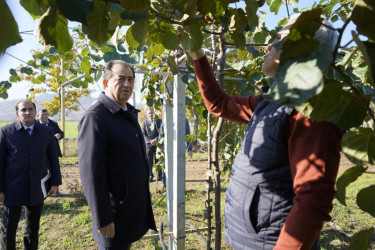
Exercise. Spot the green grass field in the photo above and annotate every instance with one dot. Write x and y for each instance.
(71, 128)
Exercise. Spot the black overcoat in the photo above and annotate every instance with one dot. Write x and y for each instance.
(56, 130)
(114, 172)
(24, 161)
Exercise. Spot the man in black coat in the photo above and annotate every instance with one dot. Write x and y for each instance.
(27, 151)
(43, 118)
(151, 131)
(113, 165)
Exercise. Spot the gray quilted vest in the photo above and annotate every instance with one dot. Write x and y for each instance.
(260, 192)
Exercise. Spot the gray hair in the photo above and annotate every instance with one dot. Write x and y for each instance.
(108, 72)
(324, 34)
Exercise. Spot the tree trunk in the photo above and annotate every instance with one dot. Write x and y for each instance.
(215, 150)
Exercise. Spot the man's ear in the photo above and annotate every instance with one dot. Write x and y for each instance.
(105, 83)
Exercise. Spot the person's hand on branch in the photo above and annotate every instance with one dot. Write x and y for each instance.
(196, 55)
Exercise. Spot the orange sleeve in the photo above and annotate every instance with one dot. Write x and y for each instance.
(217, 101)
(314, 154)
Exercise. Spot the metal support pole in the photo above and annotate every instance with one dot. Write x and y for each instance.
(168, 153)
(62, 107)
(179, 134)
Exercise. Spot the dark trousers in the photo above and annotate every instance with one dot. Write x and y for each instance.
(126, 247)
(11, 217)
(151, 155)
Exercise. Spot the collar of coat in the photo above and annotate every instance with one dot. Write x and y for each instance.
(19, 125)
(114, 107)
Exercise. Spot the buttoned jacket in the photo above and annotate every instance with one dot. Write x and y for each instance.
(114, 172)
(24, 161)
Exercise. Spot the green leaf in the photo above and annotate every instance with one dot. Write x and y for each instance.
(215, 8)
(170, 40)
(53, 30)
(299, 79)
(128, 59)
(242, 53)
(26, 70)
(251, 12)
(361, 239)
(172, 65)
(75, 10)
(13, 72)
(368, 51)
(86, 66)
(192, 38)
(95, 57)
(238, 21)
(365, 200)
(44, 63)
(114, 19)
(358, 145)
(156, 49)
(9, 29)
(260, 37)
(336, 105)
(300, 40)
(133, 44)
(363, 16)
(111, 56)
(97, 26)
(274, 8)
(36, 8)
(349, 176)
(135, 6)
(140, 31)
(239, 39)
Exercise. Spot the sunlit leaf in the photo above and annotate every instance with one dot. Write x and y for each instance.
(358, 145)
(349, 176)
(301, 78)
(366, 198)
(274, 8)
(130, 39)
(140, 31)
(368, 51)
(9, 29)
(86, 66)
(53, 30)
(135, 6)
(361, 239)
(36, 8)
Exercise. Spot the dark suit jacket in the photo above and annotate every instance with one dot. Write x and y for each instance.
(24, 161)
(151, 132)
(114, 172)
(56, 130)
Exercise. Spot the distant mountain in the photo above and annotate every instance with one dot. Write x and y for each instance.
(8, 111)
